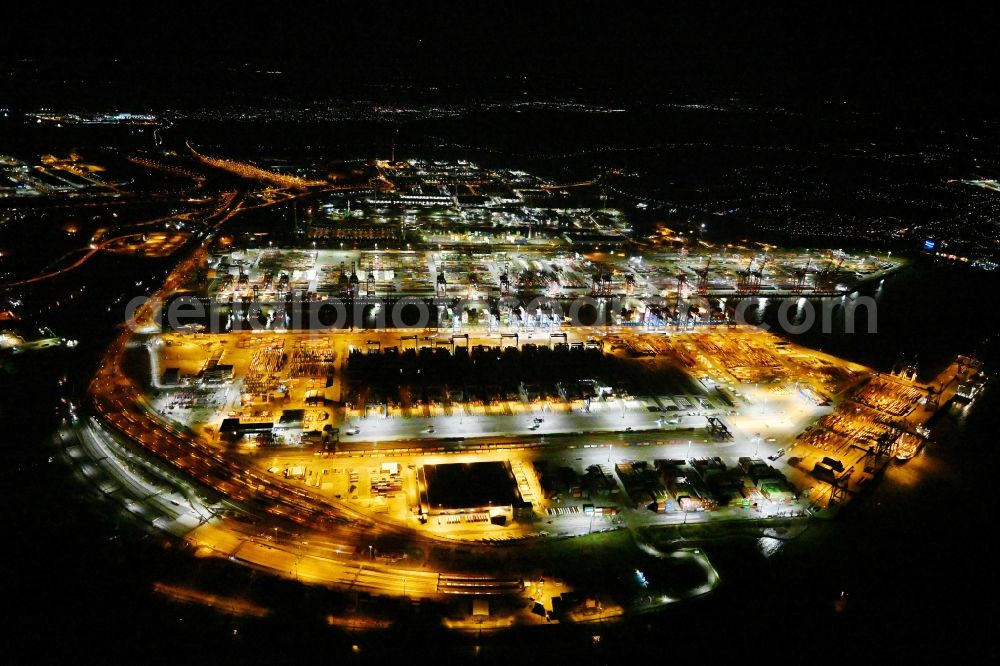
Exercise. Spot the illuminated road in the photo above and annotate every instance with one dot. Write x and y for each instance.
(227, 204)
(166, 501)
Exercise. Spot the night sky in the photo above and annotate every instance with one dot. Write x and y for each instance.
(933, 62)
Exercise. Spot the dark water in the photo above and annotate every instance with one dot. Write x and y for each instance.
(914, 558)
(927, 311)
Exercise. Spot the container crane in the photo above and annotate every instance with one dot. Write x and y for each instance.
(703, 277)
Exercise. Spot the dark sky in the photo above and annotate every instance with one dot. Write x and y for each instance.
(882, 56)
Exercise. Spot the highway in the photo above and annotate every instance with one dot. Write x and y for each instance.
(164, 500)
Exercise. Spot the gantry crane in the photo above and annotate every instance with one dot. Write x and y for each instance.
(505, 281)
(757, 276)
(827, 277)
(703, 277)
(799, 278)
(743, 279)
(370, 282)
(682, 284)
